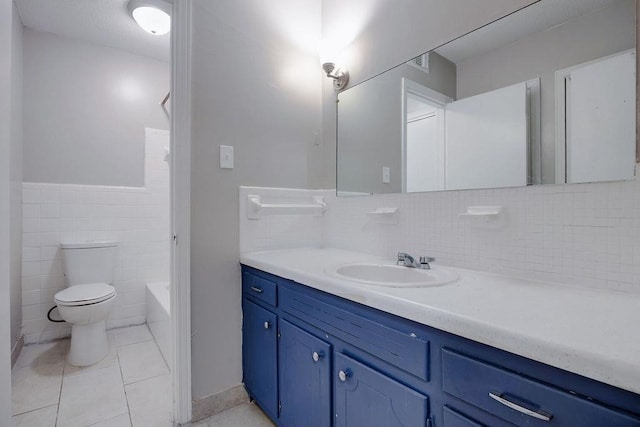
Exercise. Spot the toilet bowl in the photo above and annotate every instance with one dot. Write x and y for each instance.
(86, 307)
(88, 299)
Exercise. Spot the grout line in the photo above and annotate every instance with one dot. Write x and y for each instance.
(33, 410)
(124, 386)
(64, 368)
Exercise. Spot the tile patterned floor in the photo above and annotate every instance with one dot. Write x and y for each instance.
(131, 387)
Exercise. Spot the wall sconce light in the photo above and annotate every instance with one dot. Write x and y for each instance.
(152, 15)
(340, 76)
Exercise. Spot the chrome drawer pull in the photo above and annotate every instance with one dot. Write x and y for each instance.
(539, 414)
(256, 289)
(316, 356)
(267, 325)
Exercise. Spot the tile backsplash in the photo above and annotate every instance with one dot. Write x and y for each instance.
(583, 234)
(138, 218)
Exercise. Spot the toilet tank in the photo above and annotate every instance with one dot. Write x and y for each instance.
(89, 262)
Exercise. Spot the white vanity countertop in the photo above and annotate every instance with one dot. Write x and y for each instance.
(594, 333)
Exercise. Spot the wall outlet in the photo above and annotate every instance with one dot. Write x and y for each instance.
(226, 157)
(386, 175)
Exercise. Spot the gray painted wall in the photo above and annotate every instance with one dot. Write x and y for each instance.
(370, 125)
(591, 36)
(256, 86)
(15, 172)
(379, 35)
(92, 101)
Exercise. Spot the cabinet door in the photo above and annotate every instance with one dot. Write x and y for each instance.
(305, 378)
(259, 356)
(365, 397)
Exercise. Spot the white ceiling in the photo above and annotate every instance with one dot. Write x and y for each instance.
(104, 22)
(540, 16)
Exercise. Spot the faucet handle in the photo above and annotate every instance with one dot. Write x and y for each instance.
(426, 259)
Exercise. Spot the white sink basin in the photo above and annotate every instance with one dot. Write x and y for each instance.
(395, 275)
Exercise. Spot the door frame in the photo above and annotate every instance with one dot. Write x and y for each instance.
(180, 290)
(411, 87)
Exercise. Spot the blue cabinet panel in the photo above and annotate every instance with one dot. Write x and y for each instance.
(386, 374)
(261, 288)
(453, 418)
(400, 348)
(365, 397)
(259, 355)
(305, 378)
(508, 395)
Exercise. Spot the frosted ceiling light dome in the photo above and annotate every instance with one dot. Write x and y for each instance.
(152, 16)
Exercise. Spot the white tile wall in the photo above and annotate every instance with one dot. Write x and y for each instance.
(583, 234)
(138, 218)
(279, 231)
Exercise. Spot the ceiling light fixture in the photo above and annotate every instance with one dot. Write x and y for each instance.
(152, 15)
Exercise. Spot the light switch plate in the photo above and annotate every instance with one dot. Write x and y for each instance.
(386, 175)
(226, 157)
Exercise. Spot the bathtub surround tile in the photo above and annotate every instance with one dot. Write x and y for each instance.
(141, 361)
(135, 217)
(90, 397)
(150, 402)
(44, 417)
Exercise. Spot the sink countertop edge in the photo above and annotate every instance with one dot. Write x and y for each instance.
(493, 310)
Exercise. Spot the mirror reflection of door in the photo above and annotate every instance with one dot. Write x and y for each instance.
(424, 137)
(596, 130)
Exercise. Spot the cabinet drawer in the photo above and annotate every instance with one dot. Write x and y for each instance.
(259, 287)
(509, 396)
(401, 349)
(453, 418)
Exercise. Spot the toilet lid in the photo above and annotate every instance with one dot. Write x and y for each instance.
(91, 293)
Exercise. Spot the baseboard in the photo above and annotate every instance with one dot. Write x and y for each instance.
(17, 348)
(211, 405)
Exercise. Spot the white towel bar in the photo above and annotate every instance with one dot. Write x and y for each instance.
(256, 208)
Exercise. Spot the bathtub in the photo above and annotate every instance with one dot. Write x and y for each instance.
(158, 309)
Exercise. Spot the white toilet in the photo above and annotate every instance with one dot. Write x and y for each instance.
(88, 299)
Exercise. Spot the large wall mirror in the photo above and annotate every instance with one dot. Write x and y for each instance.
(545, 95)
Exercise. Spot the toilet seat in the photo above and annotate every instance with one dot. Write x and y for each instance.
(91, 293)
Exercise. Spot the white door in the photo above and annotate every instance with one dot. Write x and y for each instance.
(425, 150)
(601, 120)
(486, 140)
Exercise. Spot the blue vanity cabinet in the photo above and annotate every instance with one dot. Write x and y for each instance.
(366, 397)
(259, 355)
(330, 362)
(305, 378)
(520, 399)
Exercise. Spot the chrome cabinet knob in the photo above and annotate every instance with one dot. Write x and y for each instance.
(344, 375)
(317, 356)
(267, 325)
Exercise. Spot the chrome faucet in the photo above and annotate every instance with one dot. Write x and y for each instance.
(409, 261)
